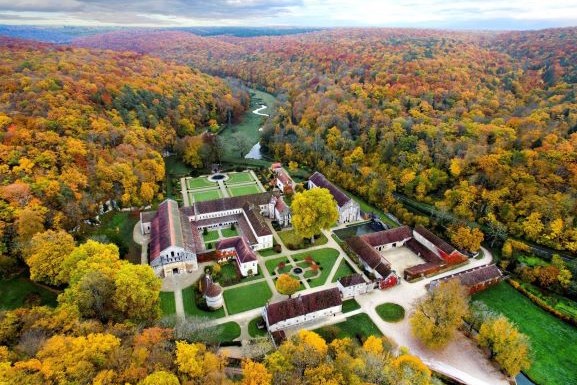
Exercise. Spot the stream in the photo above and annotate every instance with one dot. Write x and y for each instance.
(254, 152)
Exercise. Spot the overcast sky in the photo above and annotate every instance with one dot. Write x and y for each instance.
(477, 14)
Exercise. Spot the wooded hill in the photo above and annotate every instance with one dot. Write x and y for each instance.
(482, 125)
(79, 127)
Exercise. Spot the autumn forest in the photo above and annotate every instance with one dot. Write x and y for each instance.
(474, 134)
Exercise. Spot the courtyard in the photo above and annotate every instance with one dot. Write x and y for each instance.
(232, 184)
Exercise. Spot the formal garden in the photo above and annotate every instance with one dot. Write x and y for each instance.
(200, 189)
(243, 298)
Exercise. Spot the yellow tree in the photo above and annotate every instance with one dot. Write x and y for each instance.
(509, 347)
(287, 285)
(160, 378)
(312, 211)
(255, 373)
(438, 315)
(137, 293)
(410, 370)
(198, 364)
(466, 238)
(46, 254)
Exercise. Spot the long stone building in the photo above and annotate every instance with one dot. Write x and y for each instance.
(349, 210)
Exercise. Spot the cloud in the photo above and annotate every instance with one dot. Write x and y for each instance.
(443, 13)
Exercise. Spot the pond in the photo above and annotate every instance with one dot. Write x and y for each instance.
(360, 229)
(216, 177)
(297, 270)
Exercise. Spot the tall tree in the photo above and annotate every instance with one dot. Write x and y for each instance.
(46, 255)
(438, 315)
(287, 285)
(312, 211)
(509, 347)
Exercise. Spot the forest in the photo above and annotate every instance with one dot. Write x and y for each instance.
(79, 128)
(483, 126)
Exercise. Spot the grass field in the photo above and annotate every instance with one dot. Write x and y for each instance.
(20, 291)
(357, 327)
(199, 182)
(554, 342)
(273, 263)
(350, 305)
(191, 309)
(236, 191)
(253, 330)
(167, 304)
(229, 332)
(325, 257)
(343, 270)
(117, 227)
(210, 236)
(289, 237)
(391, 312)
(201, 196)
(247, 297)
(368, 208)
(175, 169)
(228, 233)
(239, 177)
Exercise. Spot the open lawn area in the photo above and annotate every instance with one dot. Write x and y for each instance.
(239, 177)
(553, 341)
(236, 191)
(326, 258)
(19, 291)
(343, 270)
(368, 208)
(167, 304)
(293, 242)
(210, 236)
(117, 227)
(200, 182)
(201, 196)
(191, 309)
(391, 312)
(357, 327)
(253, 329)
(350, 305)
(228, 233)
(229, 332)
(245, 298)
(175, 169)
(272, 264)
(268, 252)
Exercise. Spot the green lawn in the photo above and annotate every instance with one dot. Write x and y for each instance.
(236, 191)
(247, 297)
(253, 330)
(391, 312)
(210, 236)
(229, 332)
(200, 182)
(228, 233)
(273, 263)
(201, 196)
(20, 291)
(290, 238)
(167, 304)
(325, 257)
(228, 273)
(175, 169)
(239, 177)
(268, 252)
(357, 327)
(554, 342)
(191, 309)
(117, 227)
(350, 305)
(343, 270)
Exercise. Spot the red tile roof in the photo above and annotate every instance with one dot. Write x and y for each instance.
(365, 251)
(231, 203)
(301, 305)
(241, 245)
(319, 180)
(435, 240)
(475, 275)
(423, 252)
(388, 236)
(166, 229)
(282, 175)
(352, 280)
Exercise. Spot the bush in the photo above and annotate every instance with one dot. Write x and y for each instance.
(277, 248)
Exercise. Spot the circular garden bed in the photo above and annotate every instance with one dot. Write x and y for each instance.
(391, 312)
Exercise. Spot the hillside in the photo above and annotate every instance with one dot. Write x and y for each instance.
(79, 127)
(480, 125)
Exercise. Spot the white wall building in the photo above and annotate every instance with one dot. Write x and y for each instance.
(349, 210)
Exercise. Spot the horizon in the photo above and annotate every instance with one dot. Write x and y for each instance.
(484, 15)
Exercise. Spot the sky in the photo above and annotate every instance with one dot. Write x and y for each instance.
(456, 14)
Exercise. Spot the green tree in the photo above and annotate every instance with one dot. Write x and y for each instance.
(312, 211)
(438, 315)
(509, 347)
